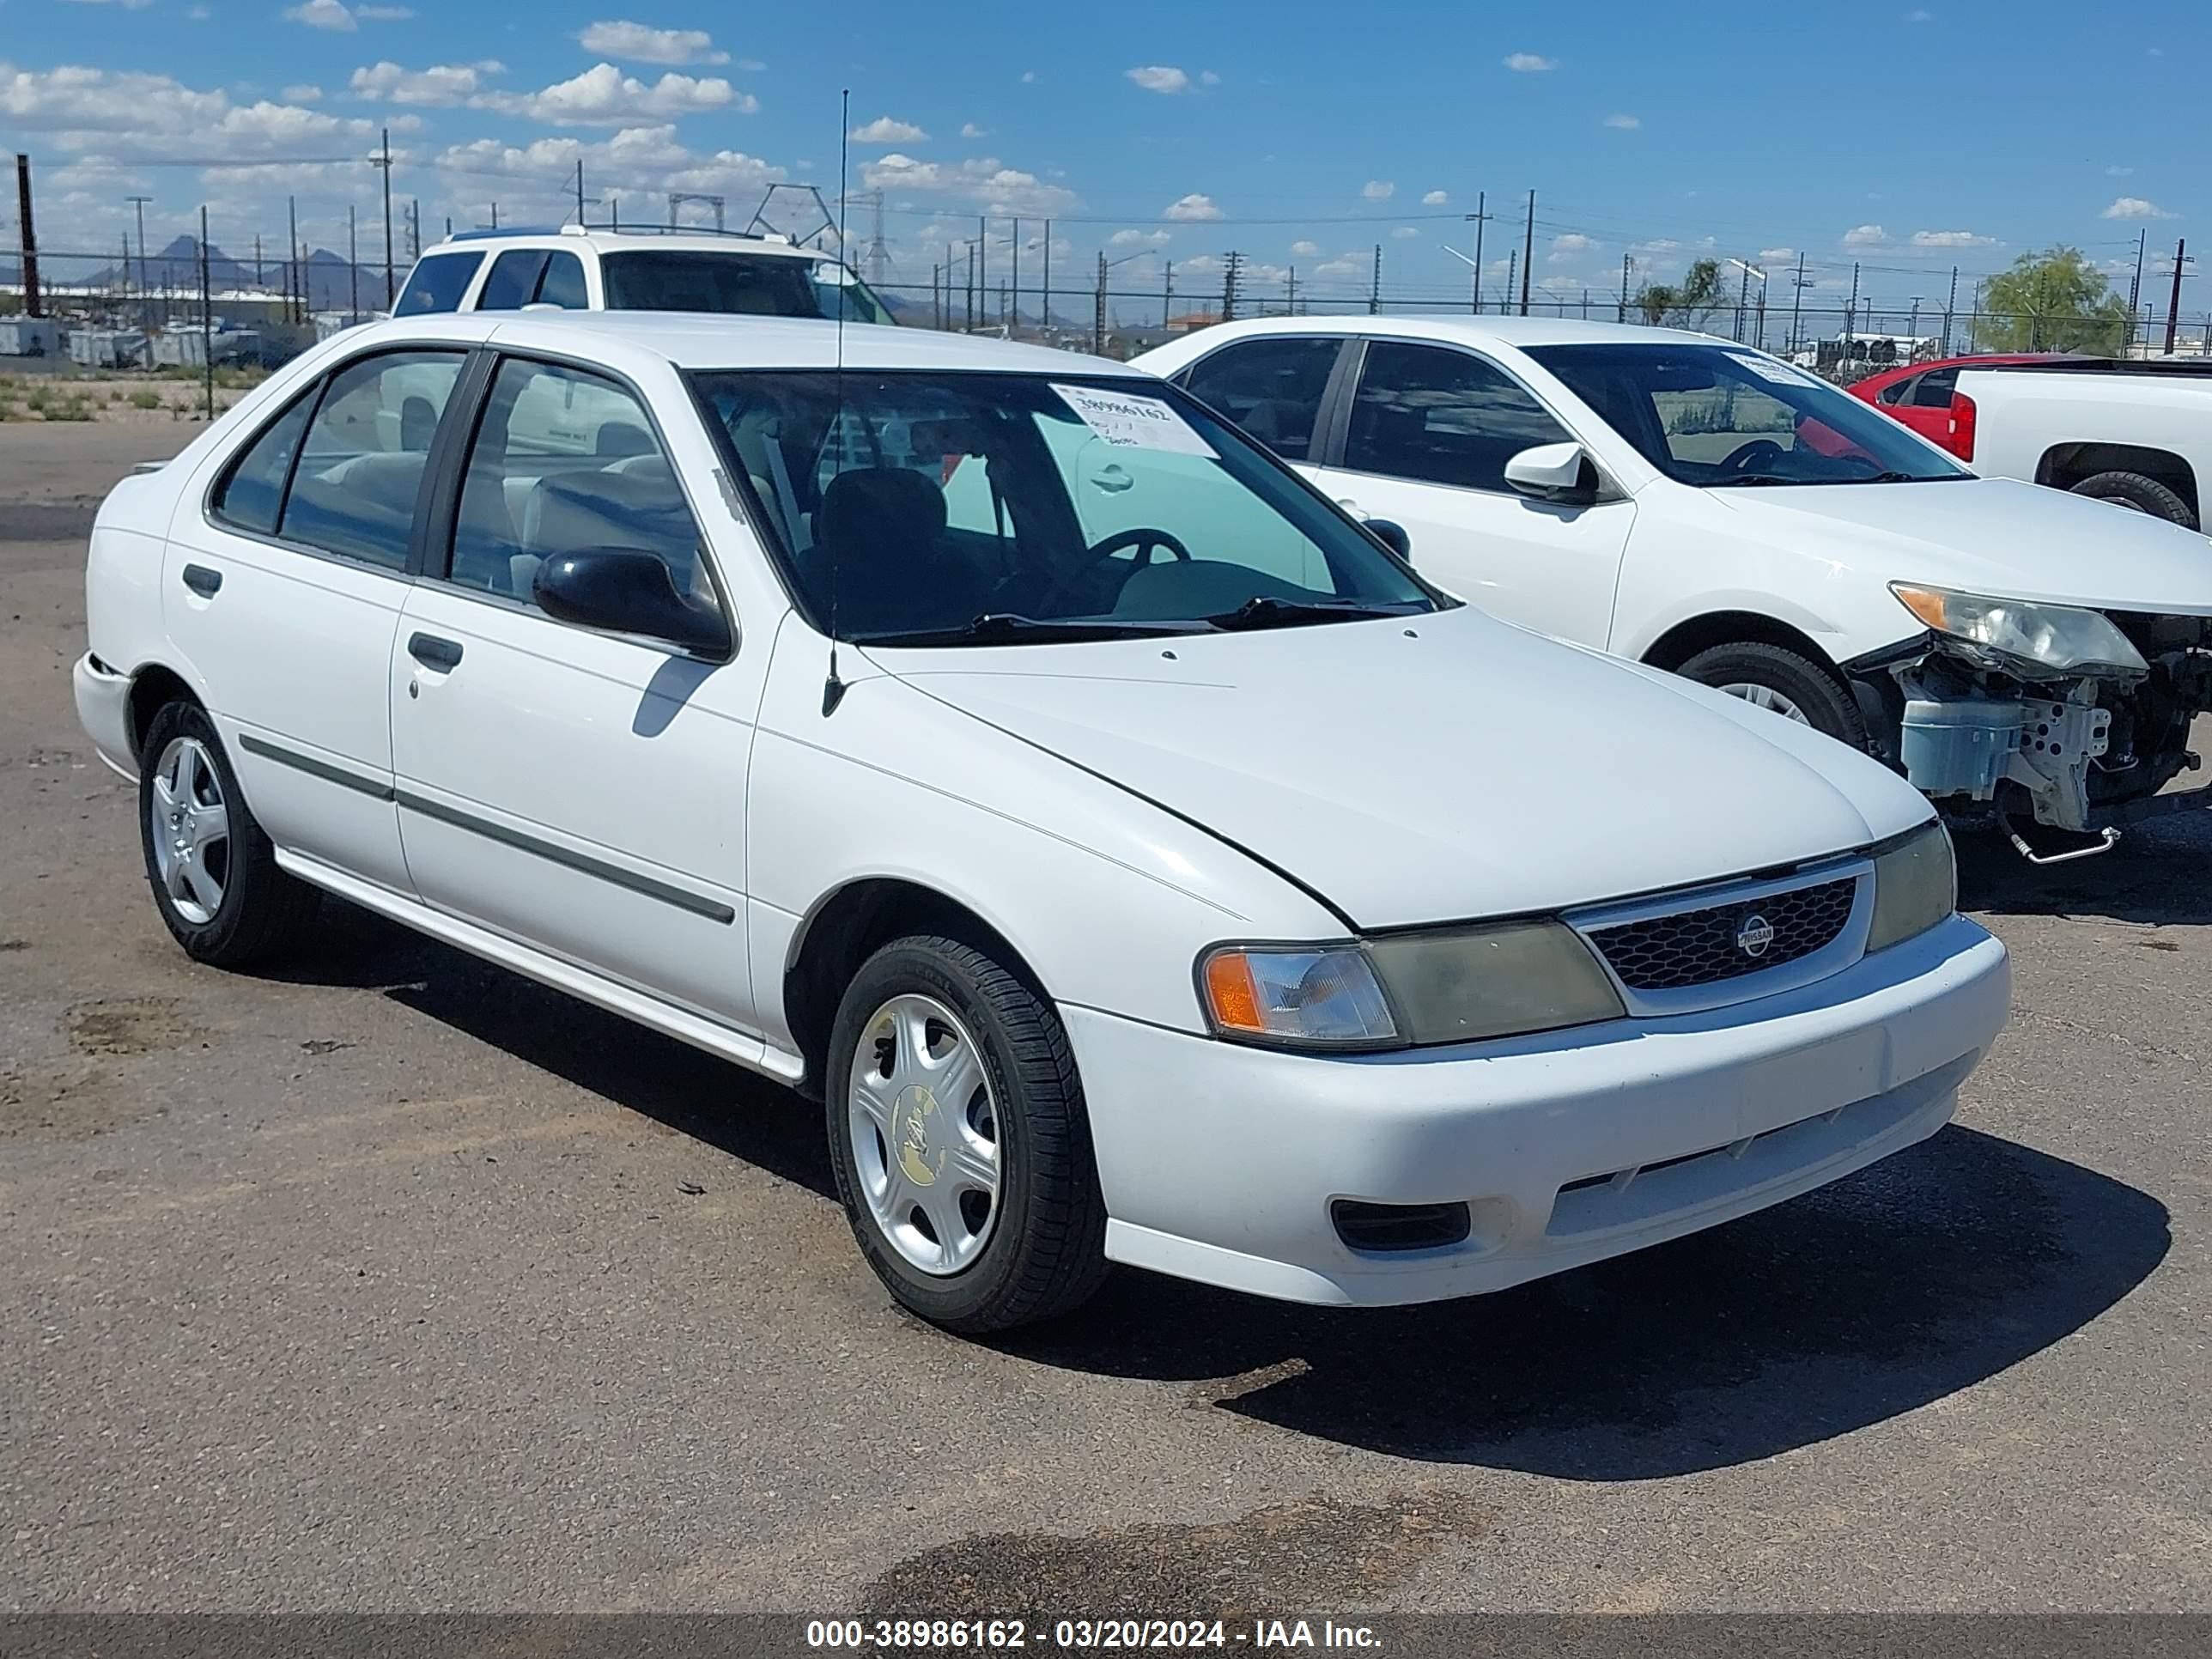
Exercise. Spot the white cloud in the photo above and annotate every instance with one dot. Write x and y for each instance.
(385, 14)
(1159, 77)
(1139, 237)
(130, 115)
(1029, 78)
(2118, 172)
(1378, 190)
(2134, 207)
(1357, 262)
(442, 86)
(1207, 77)
(1306, 250)
(1571, 245)
(1192, 208)
(1865, 236)
(1404, 232)
(197, 14)
(885, 131)
(604, 95)
(1528, 62)
(1775, 253)
(322, 15)
(637, 43)
(969, 129)
(1920, 15)
(986, 181)
(643, 160)
(127, 5)
(303, 94)
(1622, 123)
(1436, 198)
(1951, 239)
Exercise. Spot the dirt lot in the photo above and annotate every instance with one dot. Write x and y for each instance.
(393, 1281)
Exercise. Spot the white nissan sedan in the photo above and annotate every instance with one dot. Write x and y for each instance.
(1140, 862)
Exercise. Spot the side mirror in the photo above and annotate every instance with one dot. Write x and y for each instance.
(627, 592)
(1392, 535)
(1561, 473)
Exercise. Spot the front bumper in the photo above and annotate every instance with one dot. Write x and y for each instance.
(103, 705)
(1220, 1162)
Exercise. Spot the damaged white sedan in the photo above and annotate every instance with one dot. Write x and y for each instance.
(1137, 859)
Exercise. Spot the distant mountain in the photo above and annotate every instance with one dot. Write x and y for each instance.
(330, 281)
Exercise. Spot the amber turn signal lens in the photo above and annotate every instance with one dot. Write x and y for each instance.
(1230, 988)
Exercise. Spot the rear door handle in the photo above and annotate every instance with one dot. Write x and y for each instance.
(444, 655)
(203, 580)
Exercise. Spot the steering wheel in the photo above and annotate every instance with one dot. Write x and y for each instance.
(1760, 451)
(1142, 537)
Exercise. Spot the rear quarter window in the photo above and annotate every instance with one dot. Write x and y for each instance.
(437, 284)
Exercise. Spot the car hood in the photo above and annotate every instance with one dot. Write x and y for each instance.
(1433, 769)
(1993, 536)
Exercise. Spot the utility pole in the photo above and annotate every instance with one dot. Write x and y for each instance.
(1851, 310)
(1621, 315)
(386, 163)
(580, 190)
(971, 287)
(1742, 297)
(983, 257)
(145, 291)
(1512, 264)
(1099, 311)
(1018, 275)
(414, 227)
(298, 276)
(1481, 218)
(1800, 283)
(1375, 284)
(207, 322)
(353, 270)
(1228, 286)
(2135, 288)
(1044, 316)
(1912, 326)
(30, 242)
(1528, 252)
(1167, 294)
(1290, 294)
(1951, 305)
(2172, 306)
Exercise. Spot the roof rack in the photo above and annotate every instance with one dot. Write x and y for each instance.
(485, 233)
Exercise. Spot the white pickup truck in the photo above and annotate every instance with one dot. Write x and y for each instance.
(2138, 435)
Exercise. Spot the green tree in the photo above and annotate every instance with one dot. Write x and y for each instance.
(1689, 304)
(2053, 300)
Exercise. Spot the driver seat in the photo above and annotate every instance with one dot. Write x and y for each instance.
(879, 551)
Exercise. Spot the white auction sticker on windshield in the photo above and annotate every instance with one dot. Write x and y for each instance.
(1779, 373)
(1129, 420)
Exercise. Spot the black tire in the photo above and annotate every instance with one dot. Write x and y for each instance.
(2144, 495)
(1045, 1252)
(1824, 701)
(264, 913)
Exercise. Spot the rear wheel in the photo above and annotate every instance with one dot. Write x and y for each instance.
(958, 1136)
(213, 871)
(1784, 683)
(2139, 493)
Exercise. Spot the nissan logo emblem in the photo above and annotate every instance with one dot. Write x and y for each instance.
(1753, 934)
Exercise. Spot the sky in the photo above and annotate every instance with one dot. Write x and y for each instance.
(1907, 139)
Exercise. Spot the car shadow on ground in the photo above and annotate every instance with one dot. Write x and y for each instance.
(2157, 874)
(1926, 1274)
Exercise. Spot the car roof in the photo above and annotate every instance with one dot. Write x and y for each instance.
(709, 340)
(1519, 332)
(620, 241)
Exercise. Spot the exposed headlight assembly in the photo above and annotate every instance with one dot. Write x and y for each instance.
(1916, 884)
(2018, 635)
(1502, 979)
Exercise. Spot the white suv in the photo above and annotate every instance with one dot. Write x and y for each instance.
(577, 269)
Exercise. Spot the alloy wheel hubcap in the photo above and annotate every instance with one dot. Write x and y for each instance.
(924, 1126)
(1767, 697)
(190, 821)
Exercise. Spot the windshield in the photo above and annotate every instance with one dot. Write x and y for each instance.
(734, 283)
(1713, 417)
(936, 508)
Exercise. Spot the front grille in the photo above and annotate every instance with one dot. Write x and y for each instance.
(1701, 947)
(1400, 1226)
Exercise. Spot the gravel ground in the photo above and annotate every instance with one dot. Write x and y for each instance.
(393, 1281)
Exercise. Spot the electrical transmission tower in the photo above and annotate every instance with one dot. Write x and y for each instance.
(879, 251)
(679, 199)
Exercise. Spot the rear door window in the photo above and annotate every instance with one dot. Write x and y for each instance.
(1272, 388)
(1934, 389)
(437, 284)
(251, 494)
(360, 467)
(514, 280)
(562, 284)
(1438, 415)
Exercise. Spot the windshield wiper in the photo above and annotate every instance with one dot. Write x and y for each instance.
(1895, 477)
(1748, 480)
(1267, 611)
(1004, 627)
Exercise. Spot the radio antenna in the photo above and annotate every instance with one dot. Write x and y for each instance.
(833, 689)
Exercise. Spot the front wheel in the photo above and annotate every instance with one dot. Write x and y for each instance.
(958, 1136)
(1784, 683)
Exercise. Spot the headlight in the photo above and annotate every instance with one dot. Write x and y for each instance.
(1916, 886)
(2063, 637)
(1459, 987)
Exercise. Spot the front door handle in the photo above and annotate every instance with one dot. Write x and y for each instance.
(444, 655)
(203, 580)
